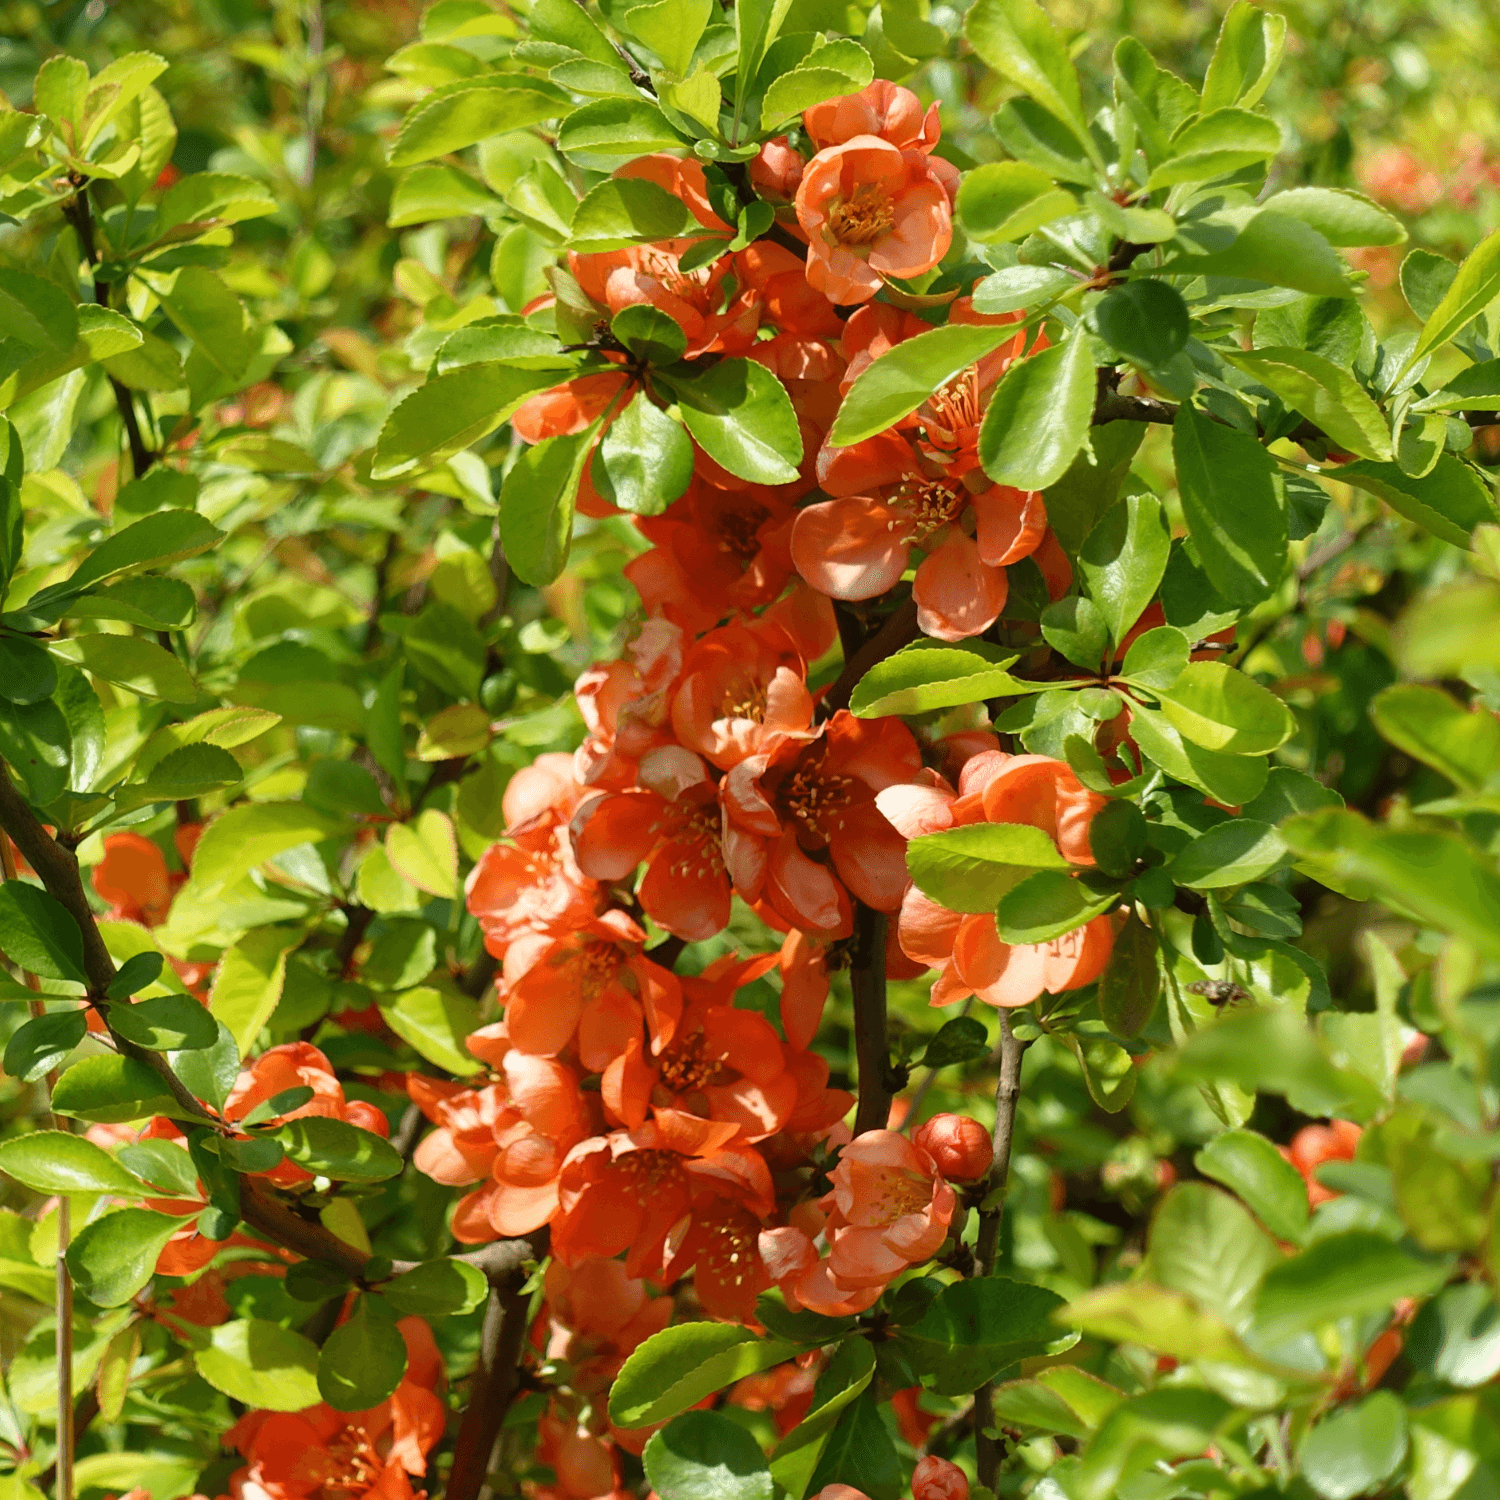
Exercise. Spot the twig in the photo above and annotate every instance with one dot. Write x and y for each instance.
(497, 1378)
(899, 629)
(987, 1242)
(871, 1048)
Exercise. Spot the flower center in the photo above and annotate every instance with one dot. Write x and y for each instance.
(818, 801)
(355, 1463)
(597, 967)
(696, 829)
(864, 216)
(688, 286)
(930, 503)
(728, 1251)
(956, 405)
(647, 1173)
(745, 700)
(896, 1193)
(686, 1064)
(739, 531)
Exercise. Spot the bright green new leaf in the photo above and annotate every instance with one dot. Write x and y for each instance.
(138, 666)
(1246, 56)
(38, 312)
(971, 868)
(930, 674)
(434, 1022)
(704, 1456)
(1216, 144)
(247, 835)
(212, 316)
(840, 67)
(678, 1367)
(248, 983)
(336, 1149)
(1474, 287)
(1039, 416)
(1429, 725)
(262, 1364)
(1326, 394)
(1224, 710)
(154, 541)
(1007, 200)
(112, 1258)
(1048, 904)
(623, 211)
(108, 1089)
(53, 1161)
(467, 110)
(1266, 1182)
(1450, 501)
(1340, 215)
(536, 506)
(795, 1458)
(603, 135)
(1017, 40)
(425, 852)
(37, 932)
(206, 198)
(1352, 1451)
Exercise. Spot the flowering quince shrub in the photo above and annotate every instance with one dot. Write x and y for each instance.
(747, 752)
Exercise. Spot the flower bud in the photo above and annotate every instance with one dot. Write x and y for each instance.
(959, 1146)
(776, 171)
(936, 1479)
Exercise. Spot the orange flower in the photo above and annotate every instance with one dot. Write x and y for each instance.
(599, 1314)
(881, 108)
(960, 1146)
(672, 823)
(133, 878)
(570, 407)
(802, 829)
(721, 1248)
(1315, 1144)
(625, 703)
(872, 211)
(776, 170)
(936, 1479)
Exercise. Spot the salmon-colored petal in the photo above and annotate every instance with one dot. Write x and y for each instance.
(870, 857)
(1010, 524)
(685, 892)
(916, 809)
(614, 833)
(850, 549)
(927, 930)
(957, 593)
(920, 236)
(803, 891)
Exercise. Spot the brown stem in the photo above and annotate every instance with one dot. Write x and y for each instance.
(357, 920)
(497, 1378)
(871, 1049)
(899, 629)
(78, 213)
(987, 1242)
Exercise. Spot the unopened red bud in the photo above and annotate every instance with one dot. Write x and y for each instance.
(776, 171)
(936, 1479)
(960, 1147)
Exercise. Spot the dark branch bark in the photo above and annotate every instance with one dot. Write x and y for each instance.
(899, 629)
(871, 1049)
(497, 1378)
(987, 1243)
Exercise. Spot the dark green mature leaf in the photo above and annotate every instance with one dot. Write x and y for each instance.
(27, 673)
(929, 674)
(363, 1360)
(37, 932)
(36, 743)
(38, 312)
(1231, 853)
(53, 1161)
(1076, 628)
(1130, 986)
(1048, 904)
(1108, 1070)
(704, 1456)
(1017, 287)
(971, 868)
(1145, 320)
(262, 1364)
(114, 1257)
(1456, 1336)
(1340, 1277)
(40, 1044)
(1276, 249)
(109, 1089)
(167, 1023)
(963, 1039)
(677, 1367)
(1039, 416)
(436, 1289)
(1080, 499)
(860, 1453)
(449, 412)
(742, 417)
(906, 375)
(536, 506)
(645, 459)
(795, 1458)
(1123, 559)
(336, 1149)
(1234, 507)
(1352, 1451)
(1268, 1184)
(973, 1329)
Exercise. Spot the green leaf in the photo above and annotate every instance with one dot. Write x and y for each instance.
(1268, 1184)
(425, 852)
(1156, 658)
(1476, 388)
(248, 983)
(536, 506)
(756, 25)
(225, 727)
(1145, 320)
(1016, 39)
(676, 1368)
(1231, 853)
(644, 460)
(971, 868)
(37, 932)
(1353, 1451)
(115, 1256)
(1432, 727)
(609, 132)
(1456, 1336)
(140, 667)
(53, 1161)
(248, 835)
(434, 1022)
(973, 1329)
(649, 333)
(704, 1456)
(192, 771)
(1008, 200)
(928, 674)
(1217, 143)
(622, 211)
(166, 536)
(1123, 559)
(1224, 710)
(205, 197)
(157, 603)
(1233, 505)
(795, 1458)
(336, 1149)
(860, 1453)
(742, 417)
(1130, 985)
(1340, 215)
(38, 312)
(1230, 779)
(1474, 288)
(1046, 905)
(206, 311)
(363, 1360)
(437, 1289)
(963, 1039)
(109, 1089)
(209, 1073)
(1140, 1434)
(1075, 627)
(1450, 501)
(1204, 1243)
(60, 87)
(449, 412)
(262, 1364)
(1325, 393)
(1018, 287)
(468, 110)
(1039, 416)
(1341, 1276)
(167, 1023)
(438, 191)
(40, 1044)
(671, 29)
(839, 67)
(1245, 56)
(1137, 1312)
(1273, 248)
(35, 742)
(1108, 1070)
